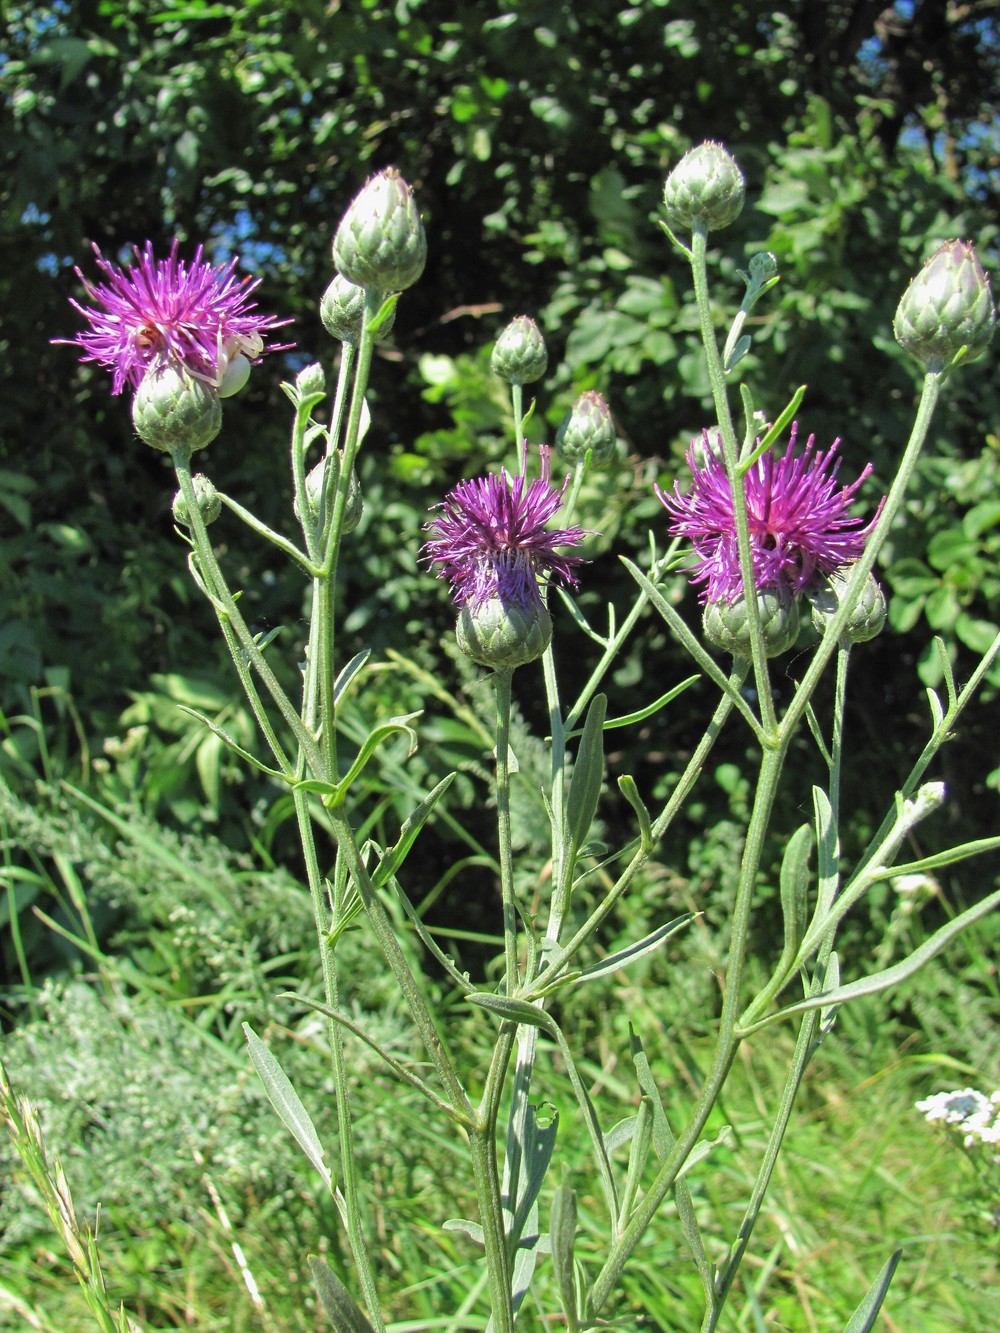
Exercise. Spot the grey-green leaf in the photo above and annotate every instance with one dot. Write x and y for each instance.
(588, 773)
(863, 1318)
(286, 1102)
(338, 1304)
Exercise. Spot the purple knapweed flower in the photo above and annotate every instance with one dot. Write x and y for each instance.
(489, 539)
(801, 528)
(164, 310)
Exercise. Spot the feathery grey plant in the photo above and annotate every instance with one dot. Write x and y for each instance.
(767, 532)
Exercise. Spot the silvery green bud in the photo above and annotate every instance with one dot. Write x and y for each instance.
(868, 616)
(588, 425)
(342, 310)
(726, 625)
(209, 504)
(315, 480)
(705, 187)
(946, 307)
(310, 380)
(172, 410)
(503, 635)
(519, 355)
(380, 241)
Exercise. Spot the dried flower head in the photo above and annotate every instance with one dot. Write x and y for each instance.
(165, 310)
(489, 539)
(801, 527)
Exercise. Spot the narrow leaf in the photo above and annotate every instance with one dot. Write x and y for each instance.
(863, 1318)
(627, 787)
(514, 1011)
(562, 1229)
(384, 731)
(640, 714)
(890, 976)
(400, 1070)
(622, 957)
(588, 773)
(348, 673)
(794, 883)
(391, 860)
(224, 736)
(338, 1304)
(285, 1101)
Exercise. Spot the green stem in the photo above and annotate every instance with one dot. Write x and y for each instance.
(501, 680)
(805, 1042)
(227, 611)
(482, 1140)
(345, 1130)
(726, 1046)
(730, 451)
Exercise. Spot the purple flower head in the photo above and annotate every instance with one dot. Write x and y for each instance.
(801, 527)
(489, 539)
(167, 310)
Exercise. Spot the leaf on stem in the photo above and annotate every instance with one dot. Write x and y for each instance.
(348, 673)
(890, 976)
(588, 774)
(627, 787)
(338, 1304)
(863, 1318)
(287, 1103)
(227, 740)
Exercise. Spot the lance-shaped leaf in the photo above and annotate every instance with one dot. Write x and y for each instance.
(863, 1318)
(286, 1102)
(890, 976)
(334, 794)
(794, 886)
(588, 774)
(227, 740)
(338, 1304)
(562, 1229)
(347, 674)
(391, 860)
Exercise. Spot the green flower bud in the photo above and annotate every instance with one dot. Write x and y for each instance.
(342, 309)
(868, 616)
(946, 307)
(310, 380)
(503, 635)
(209, 504)
(315, 480)
(172, 410)
(588, 425)
(519, 356)
(706, 187)
(726, 624)
(380, 241)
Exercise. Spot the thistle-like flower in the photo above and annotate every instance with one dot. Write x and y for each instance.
(160, 312)
(801, 527)
(490, 542)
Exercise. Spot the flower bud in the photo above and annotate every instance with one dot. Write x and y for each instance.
(706, 187)
(519, 355)
(868, 616)
(315, 481)
(342, 309)
(310, 380)
(380, 241)
(172, 410)
(726, 625)
(503, 635)
(946, 307)
(588, 425)
(209, 504)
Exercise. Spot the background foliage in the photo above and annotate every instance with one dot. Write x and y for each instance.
(537, 136)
